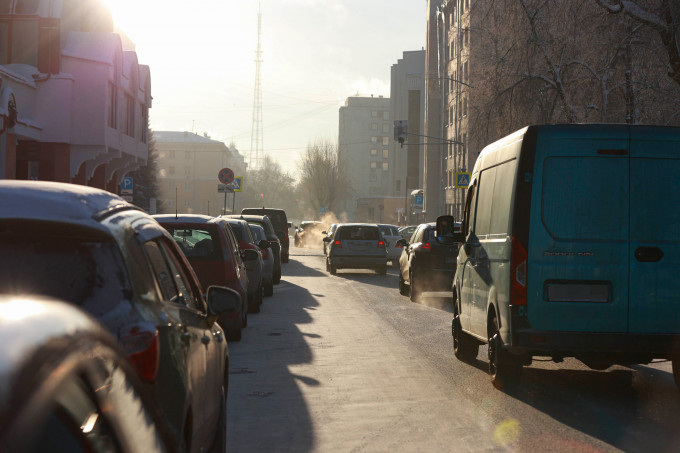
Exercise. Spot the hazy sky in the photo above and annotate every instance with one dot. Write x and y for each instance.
(316, 53)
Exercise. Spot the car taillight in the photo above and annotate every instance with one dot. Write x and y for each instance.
(142, 347)
(337, 244)
(381, 244)
(265, 254)
(518, 278)
(424, 246)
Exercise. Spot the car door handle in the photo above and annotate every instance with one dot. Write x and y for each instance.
(648, 254)
(186, 337)
(205, 339)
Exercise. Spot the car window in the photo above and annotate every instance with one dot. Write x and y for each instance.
(257, 232)
(233, 243)
(189, 294)
(172, 280)
(161, 271)
(238, 232)
(388, 230)
(248, 236)
(89, 274)
(358, 233)
(199, 243)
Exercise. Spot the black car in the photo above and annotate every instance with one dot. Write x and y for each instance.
(271, 235)
(428, 262)
(94, 250)
(279, 222)
(66, 386)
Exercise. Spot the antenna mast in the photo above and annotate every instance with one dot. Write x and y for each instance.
(256, 138)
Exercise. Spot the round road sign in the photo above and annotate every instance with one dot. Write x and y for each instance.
(226, 175)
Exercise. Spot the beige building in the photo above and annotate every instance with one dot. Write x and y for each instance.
(188, 166)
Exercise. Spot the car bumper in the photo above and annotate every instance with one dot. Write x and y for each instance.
(359, 262)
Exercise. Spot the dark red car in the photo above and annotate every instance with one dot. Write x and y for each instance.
(213, 251)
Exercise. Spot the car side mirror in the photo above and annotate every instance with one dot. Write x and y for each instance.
(250, 254)
(402, 243)
(324, 232)
(222, 300)
(264, 244)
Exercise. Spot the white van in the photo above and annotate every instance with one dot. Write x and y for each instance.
(571, 249)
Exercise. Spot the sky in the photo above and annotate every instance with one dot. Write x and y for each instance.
(316, 53)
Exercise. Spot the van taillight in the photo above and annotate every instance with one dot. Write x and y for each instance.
(143, 351)
(381, 244)
(337, 244)
(518, 278)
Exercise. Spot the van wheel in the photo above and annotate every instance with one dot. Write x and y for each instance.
(464, 348)
(676, 370)
(403, 288)
(414, 292)
(505, 372)
(332, 268)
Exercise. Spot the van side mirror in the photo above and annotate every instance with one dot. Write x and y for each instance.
(326, 239)
(263, 244)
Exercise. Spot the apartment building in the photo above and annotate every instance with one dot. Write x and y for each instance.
(365, 148)
(188, 165)
(73, 101)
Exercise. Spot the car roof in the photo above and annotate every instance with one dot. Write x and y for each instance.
(183, 218)
(246, 217)
(58, 202)
(28, 323)
(342, 225)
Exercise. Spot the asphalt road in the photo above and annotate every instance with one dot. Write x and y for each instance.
(345, 364)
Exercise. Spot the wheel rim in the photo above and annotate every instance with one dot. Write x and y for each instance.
(493, 353)
(456, 333)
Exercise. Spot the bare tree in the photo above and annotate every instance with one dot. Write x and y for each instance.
(323, 177)
(269, 185)
(662, 16)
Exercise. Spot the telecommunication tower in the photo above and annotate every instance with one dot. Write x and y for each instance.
(256, 136)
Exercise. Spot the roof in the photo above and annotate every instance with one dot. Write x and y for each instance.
(342, 225)
(245, 217)
(56, 201)
(183, 218)
(99, 47)
(181, 137)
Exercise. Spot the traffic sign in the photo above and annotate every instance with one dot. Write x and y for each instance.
(418, 200)
(126, 185)
(226, 175)
(462, 179)
(237, 184)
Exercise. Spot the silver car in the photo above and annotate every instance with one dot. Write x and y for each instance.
(267, 258)
(356, 246)
(391, 235)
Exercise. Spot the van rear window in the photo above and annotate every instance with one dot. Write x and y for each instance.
(585, 198)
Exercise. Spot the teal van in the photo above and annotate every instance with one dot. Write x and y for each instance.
(571, 248)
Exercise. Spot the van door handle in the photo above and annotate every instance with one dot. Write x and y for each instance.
(648, 254)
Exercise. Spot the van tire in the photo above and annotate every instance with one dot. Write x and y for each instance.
(505, 372)
(414, 291)
(465, 348)
(403, 287)
(676, 370)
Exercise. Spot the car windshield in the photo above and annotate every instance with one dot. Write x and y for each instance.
(196, 242)
(358, 233)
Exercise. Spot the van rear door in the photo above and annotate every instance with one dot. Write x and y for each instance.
(654, 231)
(578, 236)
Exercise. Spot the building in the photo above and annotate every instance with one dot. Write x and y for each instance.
(365, 147)
(188, 165)
(73, 102)
(407, 102)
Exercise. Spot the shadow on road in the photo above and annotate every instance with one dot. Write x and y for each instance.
(266, 408)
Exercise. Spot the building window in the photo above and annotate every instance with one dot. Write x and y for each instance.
(464, 107)
(171, 170)
(386, 141)
(386, 153)
(172, 154)
(371, 213)
(374, 165)
(187, 187)
(386, 116)
(374, 152)
(466, 72)
(374, 139)
(187, 171)
(374, 126)
(130, 116)
(111, 120)
(374, 114)
(186, 203)
(372, 176)
(386, 128)
(385, 166)
(398, 185)
(187, 154)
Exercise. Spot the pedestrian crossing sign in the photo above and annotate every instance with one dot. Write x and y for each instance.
(237, 184)
(462, 179)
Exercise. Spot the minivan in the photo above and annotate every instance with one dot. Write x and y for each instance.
(279, 220)
(571, 248)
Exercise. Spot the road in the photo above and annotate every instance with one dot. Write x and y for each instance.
(345, 364)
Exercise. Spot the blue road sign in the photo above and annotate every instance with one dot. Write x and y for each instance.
(418, 200)
(127, 183)
(237, 184)
(462, 179)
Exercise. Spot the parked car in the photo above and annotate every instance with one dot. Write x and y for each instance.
(328, 234)
(356, 246)
(428, 262)
(267, 258)
(254, 264)
(273, 239)
(93, 249)
(70, 373)
(280, 223)
(391, 236)
(590, 272)
(213, 252)
(407, 231)
(308, 232)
